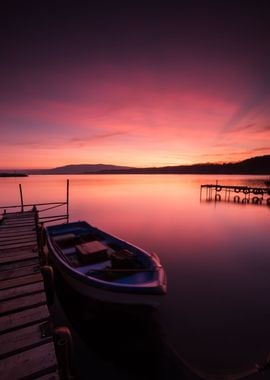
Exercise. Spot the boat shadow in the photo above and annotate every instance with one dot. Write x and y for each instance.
(130, 340)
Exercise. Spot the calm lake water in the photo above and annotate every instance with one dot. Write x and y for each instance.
(216, 313)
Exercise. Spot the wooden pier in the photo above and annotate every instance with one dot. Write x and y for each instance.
(27, 348)
(237, 194)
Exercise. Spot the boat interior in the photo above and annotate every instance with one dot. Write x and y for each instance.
(104, 258)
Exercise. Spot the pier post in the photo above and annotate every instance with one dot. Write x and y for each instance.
(21, 196)
(48, 277)
(67, 200)
(65, 352)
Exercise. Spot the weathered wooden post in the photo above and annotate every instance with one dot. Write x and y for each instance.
(21, 196)
(48, 277)
(64, 348)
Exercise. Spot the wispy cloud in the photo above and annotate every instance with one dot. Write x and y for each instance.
(83, 141)
(255, 105)
(249, 128)
(236, 155)
(243, 128)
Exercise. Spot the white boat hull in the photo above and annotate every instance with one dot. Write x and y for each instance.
(107, 296)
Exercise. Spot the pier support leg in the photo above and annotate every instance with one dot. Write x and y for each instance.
(48, 277)
(64, 352)
(21, 196)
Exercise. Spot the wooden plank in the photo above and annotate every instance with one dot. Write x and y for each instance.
(16, 219)
(19, 221)
(21, 340)
(35, 277)
(20, 291)
(18, 226)
(11, 229)
(23, 318)
(18, 272)
(19, 217)
(10, 213)
(17, 237)
(19, 264)
(7, 219)
(18, 232)
(14, 252)
(14, 231)
(10, 220)
(12, 240)
(19, 214)
(28, 219)
(15, 245)
(30, 279)
(29, 363)
(26, 302)
(11, 256)
(14, 225)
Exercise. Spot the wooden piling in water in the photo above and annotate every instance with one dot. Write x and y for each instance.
(21, 197)
(67, 200)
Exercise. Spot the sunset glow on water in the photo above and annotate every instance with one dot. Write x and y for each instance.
(216, 254)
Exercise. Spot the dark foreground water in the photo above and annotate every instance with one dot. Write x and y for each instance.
(215, 317)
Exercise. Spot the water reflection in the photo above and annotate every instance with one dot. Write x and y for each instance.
(216, 313)
(121, 344)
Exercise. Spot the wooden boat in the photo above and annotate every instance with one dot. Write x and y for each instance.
(105, 268)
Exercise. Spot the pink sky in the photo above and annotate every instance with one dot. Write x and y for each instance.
(175, 101)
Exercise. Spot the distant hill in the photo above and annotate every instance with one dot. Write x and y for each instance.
(86, 169)
(255, 165)
(79, 169)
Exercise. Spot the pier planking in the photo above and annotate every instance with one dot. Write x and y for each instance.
(23, 308)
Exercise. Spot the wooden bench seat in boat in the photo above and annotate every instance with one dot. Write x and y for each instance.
(64, 237)
(92, 251)
(65, 240)
(123, 259)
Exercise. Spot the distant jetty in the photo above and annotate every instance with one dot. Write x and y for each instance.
(13, 175)
(237, 194)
